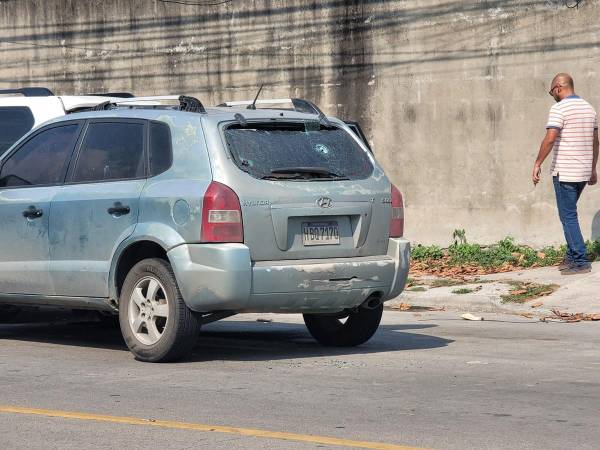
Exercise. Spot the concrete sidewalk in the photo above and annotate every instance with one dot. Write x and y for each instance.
(576, 294)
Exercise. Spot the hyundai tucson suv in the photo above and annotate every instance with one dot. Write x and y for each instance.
(177, 216)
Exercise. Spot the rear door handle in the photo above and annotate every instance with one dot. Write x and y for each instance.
(33, 213)
(118, 209)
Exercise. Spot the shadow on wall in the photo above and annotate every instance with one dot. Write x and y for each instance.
(596, 227)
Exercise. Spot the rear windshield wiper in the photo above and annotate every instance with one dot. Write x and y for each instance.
(291, 173)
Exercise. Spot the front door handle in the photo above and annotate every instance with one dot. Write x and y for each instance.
(33, 213)
(118, 209)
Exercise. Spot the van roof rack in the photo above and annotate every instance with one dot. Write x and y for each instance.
(299, 105)
(29, 92)
(111, 94)
(186, 103)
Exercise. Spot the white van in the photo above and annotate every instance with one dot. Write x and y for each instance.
(26, 108)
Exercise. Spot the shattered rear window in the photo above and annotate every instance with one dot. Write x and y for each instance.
(260, 148)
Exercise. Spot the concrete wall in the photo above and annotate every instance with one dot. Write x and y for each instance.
(453, 94)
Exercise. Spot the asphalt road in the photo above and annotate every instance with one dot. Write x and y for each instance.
(425, 380)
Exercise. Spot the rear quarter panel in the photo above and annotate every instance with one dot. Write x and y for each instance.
(171, 203)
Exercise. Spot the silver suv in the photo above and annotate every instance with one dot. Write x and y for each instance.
(177, 216)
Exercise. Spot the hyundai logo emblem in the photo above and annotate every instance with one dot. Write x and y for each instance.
(325, 202)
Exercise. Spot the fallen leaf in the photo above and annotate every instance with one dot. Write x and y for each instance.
(402, 307)
(470, 316)
(526, 315)
(545, 293)
(518, 292)
(536, 304)
(575, 317)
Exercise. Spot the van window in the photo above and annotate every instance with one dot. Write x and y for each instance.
(265, 150)
(111, 151)
(42, 160)
(15, 121)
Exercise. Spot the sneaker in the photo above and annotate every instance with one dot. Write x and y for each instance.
(577, 270)
(565, 264)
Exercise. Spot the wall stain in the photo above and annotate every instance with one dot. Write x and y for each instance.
(435, 85)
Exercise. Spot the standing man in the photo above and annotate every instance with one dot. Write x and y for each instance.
(572, 132)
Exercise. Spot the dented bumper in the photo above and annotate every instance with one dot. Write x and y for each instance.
(216, 277)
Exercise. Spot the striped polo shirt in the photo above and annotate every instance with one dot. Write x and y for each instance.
(574, 148)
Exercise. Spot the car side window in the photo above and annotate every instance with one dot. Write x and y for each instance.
(42, 160)
(161, 151)
(111, 151)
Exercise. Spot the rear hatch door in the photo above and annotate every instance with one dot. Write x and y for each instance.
(308, 191)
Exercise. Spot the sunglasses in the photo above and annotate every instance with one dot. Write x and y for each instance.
(551, 91)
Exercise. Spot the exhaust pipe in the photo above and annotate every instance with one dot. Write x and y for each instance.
(372, 302)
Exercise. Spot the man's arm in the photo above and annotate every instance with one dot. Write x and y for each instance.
(545, 149)
(594, 178)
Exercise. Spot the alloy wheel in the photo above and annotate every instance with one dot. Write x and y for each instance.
(148, 311)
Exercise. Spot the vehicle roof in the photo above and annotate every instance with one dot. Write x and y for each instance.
(215, 115)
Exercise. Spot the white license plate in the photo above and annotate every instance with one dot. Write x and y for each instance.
(320, 233)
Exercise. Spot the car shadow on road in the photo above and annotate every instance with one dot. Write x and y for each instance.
(255, 341)
(228, 340)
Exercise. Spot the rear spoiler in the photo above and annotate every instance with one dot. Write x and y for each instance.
(298, 104)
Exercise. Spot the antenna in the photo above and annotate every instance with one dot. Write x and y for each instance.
(253, 105)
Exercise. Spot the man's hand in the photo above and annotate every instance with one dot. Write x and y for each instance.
(594, 178)
(545, 148)
(535, 176)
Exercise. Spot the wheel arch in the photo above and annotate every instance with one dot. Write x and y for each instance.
(127, 256)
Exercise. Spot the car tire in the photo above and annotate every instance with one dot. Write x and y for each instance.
(358, 327)
(8, 313)
(155, 322)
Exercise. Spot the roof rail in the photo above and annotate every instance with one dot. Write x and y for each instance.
(299, 105)
(102, 106)
(189, 104)
(29, 92)
(111, 94)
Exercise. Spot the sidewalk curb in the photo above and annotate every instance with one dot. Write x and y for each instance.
(464, 304)
(575, 295)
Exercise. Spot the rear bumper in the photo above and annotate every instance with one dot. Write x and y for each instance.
(218, 277)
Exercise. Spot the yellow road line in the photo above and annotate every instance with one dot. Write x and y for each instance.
(202, 427)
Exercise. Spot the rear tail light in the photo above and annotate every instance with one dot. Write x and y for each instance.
(221, 215)
(397, 220)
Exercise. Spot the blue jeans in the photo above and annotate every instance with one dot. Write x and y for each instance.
(567, 195)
